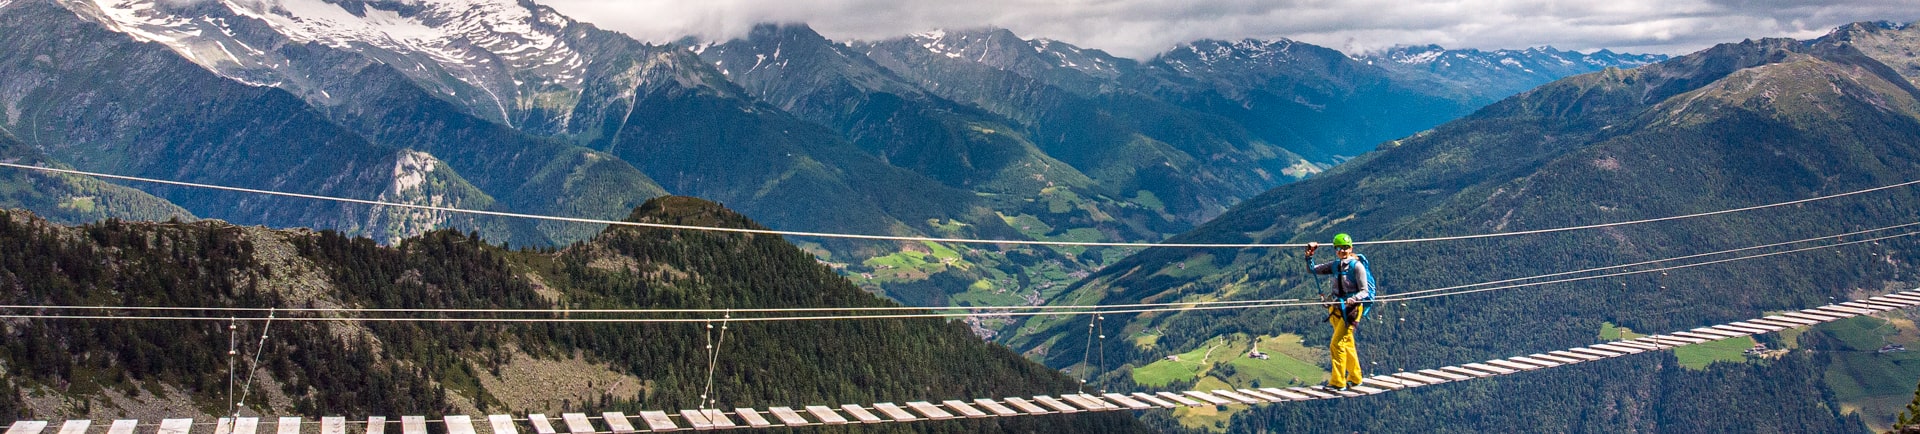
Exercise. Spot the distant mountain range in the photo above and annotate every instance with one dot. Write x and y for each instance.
(502, 105)
(1740, 124)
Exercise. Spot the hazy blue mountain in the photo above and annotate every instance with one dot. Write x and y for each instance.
(1483, 77)
(1190, 161)
(1735, 125)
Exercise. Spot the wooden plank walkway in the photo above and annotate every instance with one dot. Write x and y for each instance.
(915, 411)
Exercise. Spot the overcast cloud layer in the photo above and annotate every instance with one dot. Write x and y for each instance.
(1141, 28)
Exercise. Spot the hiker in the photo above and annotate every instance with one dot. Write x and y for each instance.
(1352, 284)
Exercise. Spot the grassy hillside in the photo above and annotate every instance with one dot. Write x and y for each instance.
(72, 199)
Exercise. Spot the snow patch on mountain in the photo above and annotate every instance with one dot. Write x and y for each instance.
(502, 52)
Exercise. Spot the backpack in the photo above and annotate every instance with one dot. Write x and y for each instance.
(1373, 285)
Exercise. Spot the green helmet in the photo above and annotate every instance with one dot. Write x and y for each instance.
(1342, 240)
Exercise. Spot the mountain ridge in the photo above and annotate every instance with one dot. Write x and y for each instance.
(1736, 125)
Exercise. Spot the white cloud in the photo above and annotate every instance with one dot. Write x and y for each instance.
(1141, 28)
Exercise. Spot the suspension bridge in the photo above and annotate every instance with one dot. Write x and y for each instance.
(923, 411)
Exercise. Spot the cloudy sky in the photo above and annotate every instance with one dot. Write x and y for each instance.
(1140, 28)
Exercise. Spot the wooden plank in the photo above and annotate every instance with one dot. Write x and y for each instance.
(502, 424)
(1796, 321)
(456, 424)
(1386, 381)
(995, 407)
(1264, 397)
(616, 422)
(787, 416)
(27, 427)
(1025, 406)
(826, 415)
(1083, 403)
(1469, 373)
(1623, 349)
(418, 425)
(965, 410)
(1778, 324)
(1898, 298)
(1902, 296)
(1415, 377)
(1402, 379)
(1365, 389)
(860, 414)
(929, 410)
(1055, 404)
(718, 418)
(80, 426)
(540, 423)
(1763, 327)
(1108, 405)
(751, 417)
(1822, 311)
(1862, 305)
(1723, 334)
(699, 421)
(1675, 340)
(1138, 403)
(1702, 336)
(1814, 315)
(1535, 361)
(1182, 400)
(1289, 395)
(1210, 399)
(333, 425)
(123, 426)
(246, 425)
(1903, 303)
(1574, 355)
(1742, 330)
(175, 426)
(1843, 310)
(1512, 365)
(1236, 396)
(895, 412)
(1155, 400)
(1314, 392)
(378, 425)
(1879, 305)
(1636, 343)
(1590, 351)
(1449, 376)
(576, 423)
(658, 421)
(1482, 367)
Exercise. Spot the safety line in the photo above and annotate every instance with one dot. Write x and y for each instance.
(1181, 308)
(955, 409)
(929, 239)
(974, 310)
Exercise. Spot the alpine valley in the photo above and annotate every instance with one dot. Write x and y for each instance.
(1736, 125)
(509, 106)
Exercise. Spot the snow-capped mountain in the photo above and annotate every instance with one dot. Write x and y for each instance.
(1498, 72)
(510, 62)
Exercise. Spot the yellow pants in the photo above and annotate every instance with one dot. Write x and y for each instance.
(1346, 364)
